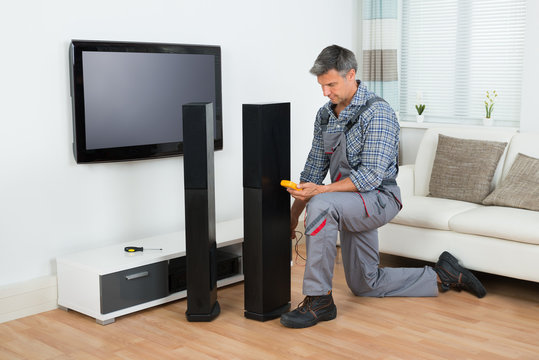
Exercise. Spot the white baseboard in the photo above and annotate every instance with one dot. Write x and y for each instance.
(28, 298)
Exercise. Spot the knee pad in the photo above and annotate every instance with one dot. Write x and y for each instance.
(318, 209)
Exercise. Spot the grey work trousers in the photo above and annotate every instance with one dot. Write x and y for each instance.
(357, 216)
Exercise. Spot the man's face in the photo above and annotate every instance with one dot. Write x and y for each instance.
(338, 89)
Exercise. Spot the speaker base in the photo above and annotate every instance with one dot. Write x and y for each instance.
(273, 314)
(205, 317)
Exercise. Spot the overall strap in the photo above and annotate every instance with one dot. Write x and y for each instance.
(360, 111)
(325, 114)
(324, 117)
(389, 182)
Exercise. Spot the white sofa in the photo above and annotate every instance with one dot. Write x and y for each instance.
(494, 239)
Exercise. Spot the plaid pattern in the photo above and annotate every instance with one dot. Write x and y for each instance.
(371, 144)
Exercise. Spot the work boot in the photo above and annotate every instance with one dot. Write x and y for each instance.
(310, 311)
(452, 275)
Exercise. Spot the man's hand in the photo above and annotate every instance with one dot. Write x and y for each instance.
(308, 190)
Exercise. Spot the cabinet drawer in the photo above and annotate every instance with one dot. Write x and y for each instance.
(135, 286)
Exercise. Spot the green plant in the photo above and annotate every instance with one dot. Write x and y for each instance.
(489, 103)
(420, 108)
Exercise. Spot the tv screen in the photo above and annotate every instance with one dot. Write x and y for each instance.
(127, 97)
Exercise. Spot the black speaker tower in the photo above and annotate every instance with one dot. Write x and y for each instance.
(200, 247)
(266, 244)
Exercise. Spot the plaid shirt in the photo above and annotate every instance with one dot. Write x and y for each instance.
(371, 144)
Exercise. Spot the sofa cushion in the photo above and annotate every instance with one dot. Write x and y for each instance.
(500, 222)
(463, 168)
(428, 212)
(520, 188)
(521, 143)
(429, 143)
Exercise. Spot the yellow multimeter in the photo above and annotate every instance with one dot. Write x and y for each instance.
(289, 184)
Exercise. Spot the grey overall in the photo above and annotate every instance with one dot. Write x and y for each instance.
(357, 216)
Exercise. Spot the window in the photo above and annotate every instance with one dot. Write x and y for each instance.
(453, 51)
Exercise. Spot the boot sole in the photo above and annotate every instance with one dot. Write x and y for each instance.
(330, 315)
(478, 288)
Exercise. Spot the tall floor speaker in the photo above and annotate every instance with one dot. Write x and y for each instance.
(266, 243)
(200, 246)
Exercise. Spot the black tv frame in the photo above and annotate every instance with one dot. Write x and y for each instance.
(136, 152)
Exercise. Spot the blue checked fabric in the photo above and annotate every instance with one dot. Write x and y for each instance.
(371, 144)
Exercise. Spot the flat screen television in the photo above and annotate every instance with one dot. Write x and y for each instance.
(127, 97)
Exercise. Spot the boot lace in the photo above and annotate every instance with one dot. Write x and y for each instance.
(305, 305)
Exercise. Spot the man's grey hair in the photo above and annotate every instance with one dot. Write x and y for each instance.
(334, 57)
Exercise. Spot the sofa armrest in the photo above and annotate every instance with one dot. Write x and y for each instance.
(405, 179)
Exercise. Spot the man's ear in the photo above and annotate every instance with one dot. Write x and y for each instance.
(351, 75)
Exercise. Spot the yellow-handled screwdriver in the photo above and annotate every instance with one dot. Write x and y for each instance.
(137, 248)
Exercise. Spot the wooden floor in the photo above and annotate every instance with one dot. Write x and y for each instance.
(503, 325)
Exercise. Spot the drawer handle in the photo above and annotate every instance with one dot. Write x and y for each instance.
(137, 275)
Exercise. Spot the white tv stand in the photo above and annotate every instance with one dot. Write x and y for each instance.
(108, 282)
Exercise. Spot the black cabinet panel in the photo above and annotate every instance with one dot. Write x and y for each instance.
(135, 286)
